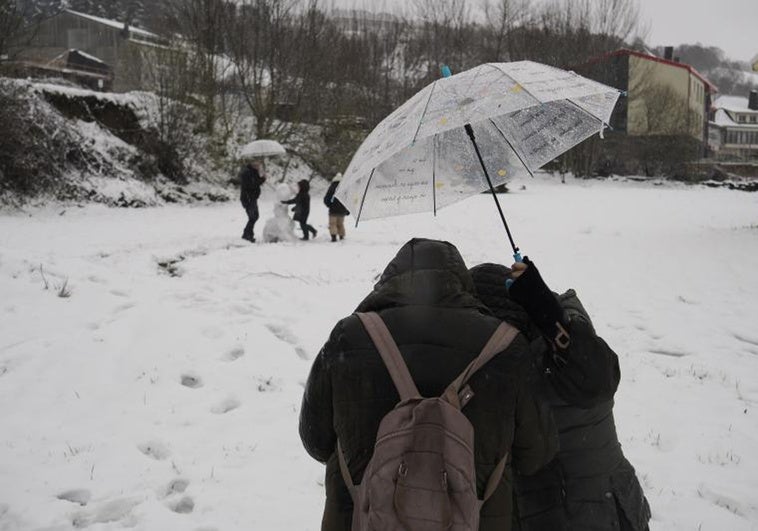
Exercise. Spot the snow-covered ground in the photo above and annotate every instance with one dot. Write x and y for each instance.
(163, 392)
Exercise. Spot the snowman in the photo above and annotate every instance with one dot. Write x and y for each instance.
(280, 228)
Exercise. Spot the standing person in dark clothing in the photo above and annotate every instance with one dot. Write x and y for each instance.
(302, 209)
(426, 298)
(337, 210)
(251, 178)
(590, 486)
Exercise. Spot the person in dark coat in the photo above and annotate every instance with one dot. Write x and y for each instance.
(251, 178)
(337, 210)
(590, 486)
(302, 209)
(426, 298)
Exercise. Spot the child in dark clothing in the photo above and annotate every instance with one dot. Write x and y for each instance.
(302, 202)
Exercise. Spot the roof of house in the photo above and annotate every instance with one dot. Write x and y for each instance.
(722, 119)
(650, 57)
(86, 55)
(113, 24)
(732, 104)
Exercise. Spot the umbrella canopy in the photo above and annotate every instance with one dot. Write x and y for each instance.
(261, 148)
(421, 158)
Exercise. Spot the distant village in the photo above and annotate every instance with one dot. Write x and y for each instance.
(668, 113)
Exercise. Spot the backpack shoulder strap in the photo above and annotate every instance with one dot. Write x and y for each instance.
(393, 359)
(498, 342)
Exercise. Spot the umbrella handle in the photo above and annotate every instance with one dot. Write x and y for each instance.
(446, 72)
(518, 258)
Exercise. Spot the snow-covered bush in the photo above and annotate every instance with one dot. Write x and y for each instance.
(131, 149)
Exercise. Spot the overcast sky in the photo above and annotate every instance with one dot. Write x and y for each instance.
(732, 25)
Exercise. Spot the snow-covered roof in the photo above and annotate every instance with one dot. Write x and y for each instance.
(87, 56)
(114, 24)
(721, 118)
(732, 104)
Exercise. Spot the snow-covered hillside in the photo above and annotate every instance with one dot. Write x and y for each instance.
(163, 392)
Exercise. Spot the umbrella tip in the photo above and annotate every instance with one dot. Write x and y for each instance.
(446, 72)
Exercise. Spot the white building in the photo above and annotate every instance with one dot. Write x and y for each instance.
(734, 127)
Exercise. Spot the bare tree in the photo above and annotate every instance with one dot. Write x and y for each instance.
(19, 22)
(500, 19)
(202, 25)
(446, 32)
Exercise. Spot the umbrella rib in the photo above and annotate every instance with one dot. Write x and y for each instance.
(360, 210)
(423, 113)
(511, 146)
(434, 175)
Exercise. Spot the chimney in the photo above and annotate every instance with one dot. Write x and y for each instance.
(752, 103)
(668, 53)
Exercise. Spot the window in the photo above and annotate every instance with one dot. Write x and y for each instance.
(753, 119)
(742, 119)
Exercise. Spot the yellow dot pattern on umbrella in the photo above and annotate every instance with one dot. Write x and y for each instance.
(502, 173)
(443, 120)
(439, 185)
(517, 88)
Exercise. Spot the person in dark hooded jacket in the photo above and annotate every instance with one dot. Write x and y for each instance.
(590, 486)
(426, 298)
(302, 209)
(251, 179)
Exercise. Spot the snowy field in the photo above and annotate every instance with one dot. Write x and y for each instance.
(163, 393)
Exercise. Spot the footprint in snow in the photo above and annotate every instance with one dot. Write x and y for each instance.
(154, 449)
(233, 354)
(749, 340)
(282, 332)
(124, 307)
(80, 496)
(184, 506)
(119, 510)
(177, 486)
(665, 352)
(226, 406)
(191, 380)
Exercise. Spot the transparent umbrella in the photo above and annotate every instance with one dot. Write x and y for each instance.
(466, 133)
(261, 148)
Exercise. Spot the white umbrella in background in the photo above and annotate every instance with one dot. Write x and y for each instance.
(466, 133)
(261, 148)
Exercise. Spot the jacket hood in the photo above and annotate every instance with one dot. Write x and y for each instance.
(489, 282)
(424, 273)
